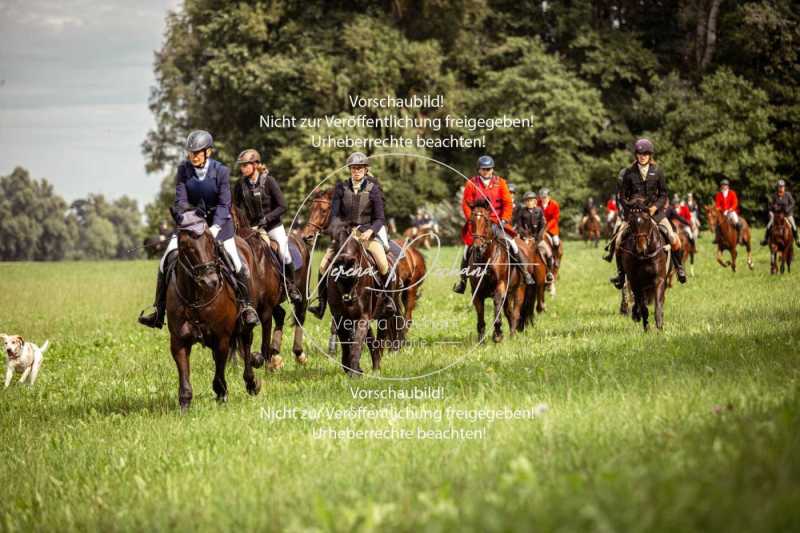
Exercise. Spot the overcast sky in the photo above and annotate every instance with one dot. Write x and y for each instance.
(74, 82)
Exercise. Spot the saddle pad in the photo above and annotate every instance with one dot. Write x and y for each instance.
(192, 222)
(297, 258)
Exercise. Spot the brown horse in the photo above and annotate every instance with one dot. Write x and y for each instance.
(727, 238)
(491, 275)
(202, 307)
(687, 251)
(590, 230)
(423, 237)
(354, 295)
(645, 261)
(558, 253)
(780, 242)
(537, 266)
(268, 304)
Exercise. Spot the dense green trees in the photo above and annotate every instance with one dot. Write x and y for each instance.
(38, 225)
(713, 82)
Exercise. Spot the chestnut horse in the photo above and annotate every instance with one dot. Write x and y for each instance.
(268, 305)
(687, 250)
(202, 307)
(537, 266)
(590, 230)
(645, 260)
(491, 275)
(780, 242)
(727, 238)
(354, 295)
(558, 253)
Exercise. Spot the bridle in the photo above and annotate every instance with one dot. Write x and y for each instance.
(479, 239)
(317, 227)
(643, 235)
(195, 272)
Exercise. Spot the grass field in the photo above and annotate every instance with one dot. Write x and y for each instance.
(696, 428)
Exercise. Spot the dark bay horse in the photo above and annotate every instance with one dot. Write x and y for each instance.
(645, 260)
(780, 243)
(202, 307)
(590, 230)
(537, 266)
(354, 294)
(268, 300)
(491, 275)
(727, 238)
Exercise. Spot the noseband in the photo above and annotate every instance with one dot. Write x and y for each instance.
(195, 272)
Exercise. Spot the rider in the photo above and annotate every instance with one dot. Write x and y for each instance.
(552, 213)
(611, 210)
(359, 201)
(258, 196)
(782, 201)
(489, 187)
(587, 211)
(203, 183)
(421, 222)
(728, 203)
(531, 222)
(643, 178)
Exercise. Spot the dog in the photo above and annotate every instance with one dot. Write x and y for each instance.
(23, 357)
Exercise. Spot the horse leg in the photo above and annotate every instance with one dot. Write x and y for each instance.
(623, 302)
(659, 304)
(274, 362)
(220, 360)
(540, 305)
(643, 310)
(358, 344)
(749, 252)
(773, 260)
(297, 345)
(375, 349)
(497, 297)
(479, 310)
(252, 383)
(180, 353)
(733, 259)
(332, 339)
(277, 335)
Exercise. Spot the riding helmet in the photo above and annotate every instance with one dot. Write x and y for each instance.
(643, 146)
(724, 182)
(250, 155)
(357, 158)
(485, 161)
(530, 195)
(544, 191)
(199, 140)
(781, 183)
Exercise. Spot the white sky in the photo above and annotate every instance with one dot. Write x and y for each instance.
(75, 78)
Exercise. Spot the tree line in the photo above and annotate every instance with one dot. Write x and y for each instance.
(39, 225)
(714, 83)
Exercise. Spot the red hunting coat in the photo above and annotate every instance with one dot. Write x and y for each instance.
(731, 202)
(499, 197)
(551, 215)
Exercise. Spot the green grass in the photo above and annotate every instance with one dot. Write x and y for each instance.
(694, 428)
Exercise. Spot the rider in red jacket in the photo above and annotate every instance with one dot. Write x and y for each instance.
(728, 203)
(487, 186)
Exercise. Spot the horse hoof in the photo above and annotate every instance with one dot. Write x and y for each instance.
(497, 338)
(301, 359)
(255, 388)
(222, 399)
(256, 360)
(275, 363)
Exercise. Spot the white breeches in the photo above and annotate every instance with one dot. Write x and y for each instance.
(556, 240)
(229, 245)
(384, 237)
(278, 234)
(790, 218)
(733, 217)
(610, 216)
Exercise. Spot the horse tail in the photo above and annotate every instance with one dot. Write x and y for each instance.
(526, 315)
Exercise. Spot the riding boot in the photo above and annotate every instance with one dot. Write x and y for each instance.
(249, 315)
(517, 262)
(766, 237)
(461, 286)
(291, 288)
(612, 247)
(676, 262)
(619, 280)
(386, 304)
(322, 297)
(549, 278)
(156, 318)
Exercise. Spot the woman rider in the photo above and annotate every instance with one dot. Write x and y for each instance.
(203, 183)
(259, 197)
(359, 201)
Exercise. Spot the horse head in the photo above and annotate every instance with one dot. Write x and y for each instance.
(712, 216)
(640, 222)
(480, 224)
(350, 262)
(197, 251)
(319, 216)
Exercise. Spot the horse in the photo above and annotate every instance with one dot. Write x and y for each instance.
(202, 307)
(727, 237)
(590, 230)
(270, 266)
(155, 246)
(537, 266)
(410, 269)
(558, 253)
(780, 242)
(423, 237)
(645, 261)
(687, 251)
(491, 275)
(353, 296)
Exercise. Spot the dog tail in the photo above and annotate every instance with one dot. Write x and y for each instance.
(45, 346)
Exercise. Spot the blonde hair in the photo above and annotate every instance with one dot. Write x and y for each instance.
(261, 168)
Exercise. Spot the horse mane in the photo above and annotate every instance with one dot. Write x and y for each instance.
(637, 201)
(320, 193)
(481, 203)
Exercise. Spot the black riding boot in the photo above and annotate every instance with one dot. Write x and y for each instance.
(291, 288)
(612, 247)
(676, 262)
(249, 315)
(461, 286)
(156, 318)
(517, 262)
(549, 261)
(766, 236)
(386, 304)
(322, 297)
(619, 280)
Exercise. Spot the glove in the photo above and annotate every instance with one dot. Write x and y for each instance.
(214, 230)
(366, 235)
